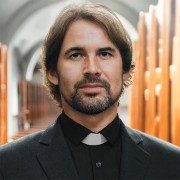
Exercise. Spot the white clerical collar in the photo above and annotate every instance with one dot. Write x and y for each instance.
(94, 139)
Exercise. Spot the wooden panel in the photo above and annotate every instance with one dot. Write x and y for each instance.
(137, 90)
(37, 110)
(24, 112)
(3, 94)
(175, 76)
(161, 67)
(166, 29)
(151, 63)
(34, 104)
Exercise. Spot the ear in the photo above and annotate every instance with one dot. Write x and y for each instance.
(53, 77)
(126, 76)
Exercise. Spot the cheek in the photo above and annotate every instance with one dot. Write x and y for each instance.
(117, 83)
(114, 73)
(69, 69)
(68, 77)
(66, 81)
(115, 78)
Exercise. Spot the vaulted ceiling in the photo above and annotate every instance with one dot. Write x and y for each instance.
(14, 12)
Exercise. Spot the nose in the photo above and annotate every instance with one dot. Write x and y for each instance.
(92, 67)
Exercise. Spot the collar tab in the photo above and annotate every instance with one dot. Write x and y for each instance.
(94, 139)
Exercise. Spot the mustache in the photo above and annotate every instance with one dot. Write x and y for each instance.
(92, 79)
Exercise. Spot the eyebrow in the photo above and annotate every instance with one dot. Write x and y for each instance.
(73, 49)
(106, 49)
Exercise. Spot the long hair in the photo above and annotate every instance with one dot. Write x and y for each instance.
(95, 13)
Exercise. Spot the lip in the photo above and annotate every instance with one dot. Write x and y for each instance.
(91, 85)
(92, 88)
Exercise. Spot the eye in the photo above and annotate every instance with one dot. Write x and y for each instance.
(75, 56)
(105, 54)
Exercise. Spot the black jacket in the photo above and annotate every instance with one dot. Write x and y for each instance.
(45, 155)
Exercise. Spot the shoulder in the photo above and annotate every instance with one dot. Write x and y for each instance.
(19, 154)
(21, 145)
(164, 157)
(30, 142)
(154, 145)
(29, 145)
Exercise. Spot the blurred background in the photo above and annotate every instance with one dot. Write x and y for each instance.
(151, 104)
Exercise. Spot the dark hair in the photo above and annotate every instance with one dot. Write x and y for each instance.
(96, 13)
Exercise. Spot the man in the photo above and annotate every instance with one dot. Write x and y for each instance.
(87, 62)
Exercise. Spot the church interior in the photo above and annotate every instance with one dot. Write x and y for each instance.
(150, 104)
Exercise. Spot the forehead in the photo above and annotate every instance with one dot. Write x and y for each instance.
(86, 25)
(84, 32)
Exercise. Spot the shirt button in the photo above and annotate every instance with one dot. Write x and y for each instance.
(98, 164)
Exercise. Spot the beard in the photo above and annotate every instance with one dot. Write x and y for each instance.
(91, 103)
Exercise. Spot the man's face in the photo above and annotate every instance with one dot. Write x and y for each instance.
(89, 69)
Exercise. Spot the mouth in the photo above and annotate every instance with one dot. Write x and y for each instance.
(92, 87)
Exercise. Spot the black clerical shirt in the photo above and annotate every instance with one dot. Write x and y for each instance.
(94, 161)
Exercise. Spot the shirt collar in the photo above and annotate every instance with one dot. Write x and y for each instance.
(76, 132)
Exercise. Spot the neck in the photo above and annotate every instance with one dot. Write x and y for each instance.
(94, 122)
